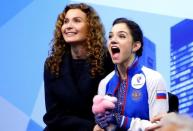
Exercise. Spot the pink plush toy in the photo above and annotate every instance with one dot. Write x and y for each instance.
(102, 103)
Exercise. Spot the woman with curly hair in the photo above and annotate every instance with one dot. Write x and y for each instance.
(77, 62)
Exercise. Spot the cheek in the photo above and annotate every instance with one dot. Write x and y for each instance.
(108, 46)
(62, 28)
(108, 43)
(109, 49)
(126, 48)
(83, 34)
(84, 30)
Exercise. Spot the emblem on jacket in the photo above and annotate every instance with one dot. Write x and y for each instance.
(136, 95)
(138, 80)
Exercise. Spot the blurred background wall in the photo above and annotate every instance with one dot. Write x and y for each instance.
(26, 29)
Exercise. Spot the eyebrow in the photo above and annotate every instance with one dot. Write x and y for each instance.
(119, 32)
(123, 32)
(78, 17)
(75, 17)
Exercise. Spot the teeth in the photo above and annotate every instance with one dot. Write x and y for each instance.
(70, 33)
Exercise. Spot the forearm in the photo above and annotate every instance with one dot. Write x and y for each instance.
(69, 123)
(140, 124)
(133, 124)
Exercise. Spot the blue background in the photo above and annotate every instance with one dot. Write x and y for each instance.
(26, 29)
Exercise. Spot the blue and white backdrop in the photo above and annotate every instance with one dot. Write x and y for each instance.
(26, 28)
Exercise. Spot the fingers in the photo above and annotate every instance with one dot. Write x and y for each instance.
(153, 128)
(101, 120)
(158, 117)
(98, 128)
(110, 98)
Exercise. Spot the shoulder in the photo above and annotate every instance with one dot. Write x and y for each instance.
(154, 79)
(48, 75)
(46, 67)
(103, 83)
(150, 73)
(108, 77)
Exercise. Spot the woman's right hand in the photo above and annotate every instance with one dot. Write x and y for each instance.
(97, 128)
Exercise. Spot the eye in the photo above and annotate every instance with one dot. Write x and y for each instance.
(66, 21)
(122, 36)
(77, 20)
(110, 36)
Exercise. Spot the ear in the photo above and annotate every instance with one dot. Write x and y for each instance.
(136, 46)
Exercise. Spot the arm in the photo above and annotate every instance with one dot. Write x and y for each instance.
(57, 116)
(158, 105)
(157, 99)
(123, 122)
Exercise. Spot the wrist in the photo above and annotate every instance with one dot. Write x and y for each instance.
(119, 119)
(125, 122)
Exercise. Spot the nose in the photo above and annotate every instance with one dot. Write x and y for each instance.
(69, 25)
(113, 40)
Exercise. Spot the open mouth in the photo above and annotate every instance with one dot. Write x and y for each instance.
(115, 49)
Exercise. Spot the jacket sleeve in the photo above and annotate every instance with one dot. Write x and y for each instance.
(56, 118)
(132, 124)
(157, 93)
(136, 124)
(157, 100)
(157, 104)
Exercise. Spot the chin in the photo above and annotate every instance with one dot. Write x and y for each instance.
(74, 41)
(70, 40)
(116, 62)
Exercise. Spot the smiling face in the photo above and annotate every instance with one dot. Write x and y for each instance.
(121, 45)
(75, 28)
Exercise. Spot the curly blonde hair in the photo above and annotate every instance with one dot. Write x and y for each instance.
(95, 41)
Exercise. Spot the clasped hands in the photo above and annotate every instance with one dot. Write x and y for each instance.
(105, 111)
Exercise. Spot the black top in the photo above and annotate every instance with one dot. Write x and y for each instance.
(173, 103)
(69, 97)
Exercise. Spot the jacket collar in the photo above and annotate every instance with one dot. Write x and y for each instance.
(130, 69)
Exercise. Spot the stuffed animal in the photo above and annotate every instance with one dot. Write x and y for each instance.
(103, 103)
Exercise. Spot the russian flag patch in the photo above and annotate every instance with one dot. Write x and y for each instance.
(161, 94)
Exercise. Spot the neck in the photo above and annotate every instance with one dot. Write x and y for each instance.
(78, 51)
(122, 68)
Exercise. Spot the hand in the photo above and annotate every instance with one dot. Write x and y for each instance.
(153, 128)
(113, 118)
(101, 120)
(116, 117)
(110, 118)
(158, 117)
(98, 128)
